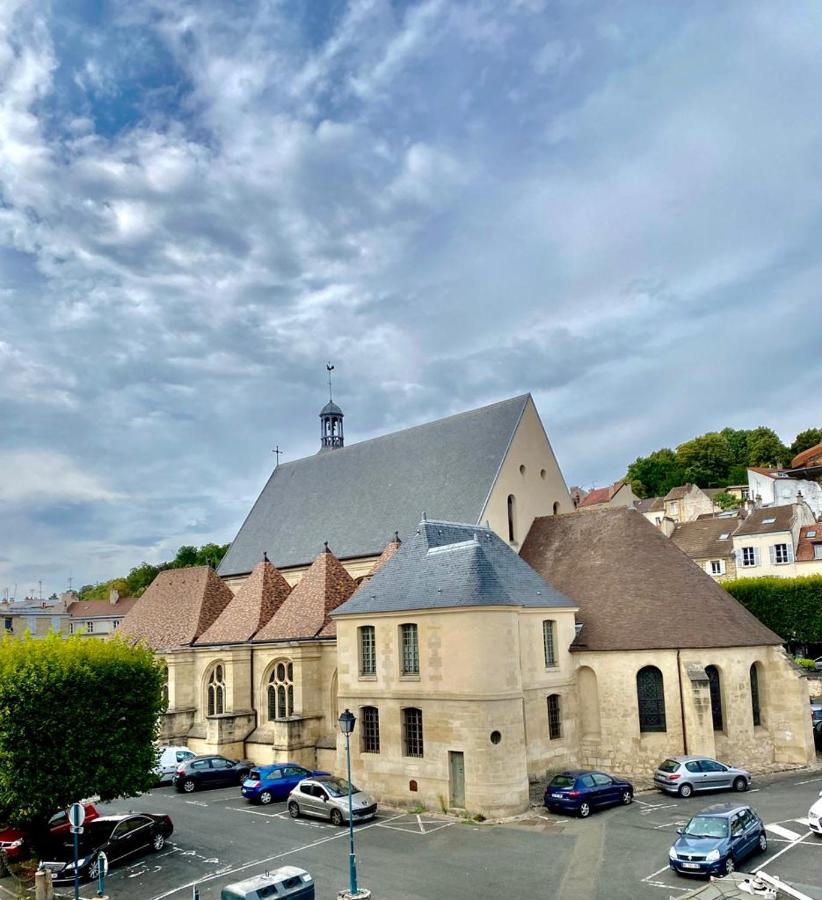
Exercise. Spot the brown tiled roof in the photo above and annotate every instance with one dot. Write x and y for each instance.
(257, 600)
(812, 456)
(703, 538)
(390, 549)
(677, 493)
(650, 504)
(757, 522)
(305, 612)
(177, 607)
(595, 496)
(808, 536)
(633, 585)
(89, 609)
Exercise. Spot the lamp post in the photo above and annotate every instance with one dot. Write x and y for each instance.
(347, 721)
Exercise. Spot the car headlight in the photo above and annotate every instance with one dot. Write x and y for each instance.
(713, 856)
(672, 853)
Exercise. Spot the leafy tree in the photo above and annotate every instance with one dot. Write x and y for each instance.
(78, 718)
(738, 442)
(654, 475)
(806, 439)
(140, 577)
(186, 556)
(726, 500)
(765, 448)
(706, 460)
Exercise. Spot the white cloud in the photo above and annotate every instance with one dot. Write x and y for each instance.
(43, 476)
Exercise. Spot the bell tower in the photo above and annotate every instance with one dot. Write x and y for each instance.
(331, 421)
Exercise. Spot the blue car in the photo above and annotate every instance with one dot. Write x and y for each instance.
(579, 791)
(276, 782)
(717, 839)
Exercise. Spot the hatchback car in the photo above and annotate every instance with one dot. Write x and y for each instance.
(210, 771)
(815, 816)
(580, 791)
(276, 782)
(169, 759)
(717, 839)
(121, 838)
(685, 774)
(326, 796)
(15, 843)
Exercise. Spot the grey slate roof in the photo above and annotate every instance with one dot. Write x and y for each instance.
(357, 496)
(446, 565)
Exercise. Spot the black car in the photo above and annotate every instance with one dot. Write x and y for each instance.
(121, 838)
(817, 734)
(210, 771)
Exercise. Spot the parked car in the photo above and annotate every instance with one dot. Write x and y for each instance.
(815, 816)
(210, 771)
(121, 838)
(15, 843)
(685, 774)
(276, 782)
(288, 881)
(717, 839)
(817, 734)
(816, 712)
(168, 760)
(580, 791)
(326, 796)
(817, 664)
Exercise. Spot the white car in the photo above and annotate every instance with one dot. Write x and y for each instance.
(168, 759)
(815, 816)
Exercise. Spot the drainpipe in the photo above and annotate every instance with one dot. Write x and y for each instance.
(682, 706)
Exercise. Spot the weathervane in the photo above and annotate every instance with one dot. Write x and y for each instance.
(329, 369)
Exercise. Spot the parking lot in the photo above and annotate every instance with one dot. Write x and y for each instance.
(618, 853)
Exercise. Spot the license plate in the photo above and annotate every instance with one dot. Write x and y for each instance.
(690, 865)
(556, 796)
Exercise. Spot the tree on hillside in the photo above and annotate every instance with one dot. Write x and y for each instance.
(706, 460)
(738, 442)
(765, 448)
(805, 440)
(654, 475)
(725, 500)
(78, 718)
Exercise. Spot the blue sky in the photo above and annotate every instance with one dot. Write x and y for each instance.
(616, 206)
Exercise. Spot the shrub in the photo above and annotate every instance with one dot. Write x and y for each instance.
(792, 607)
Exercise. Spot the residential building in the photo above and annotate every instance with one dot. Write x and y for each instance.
(809, 550)
(765, 543)
(782, 487)
(653, 508)
(586, 668)
(709, 543)
(618, 494)
(688, 501)
(35, 617)
(98, 618)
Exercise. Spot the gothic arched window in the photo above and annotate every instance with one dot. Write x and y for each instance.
(216, 690)
(281, 691)
(650, 693)
(756, 710)
(716, 696)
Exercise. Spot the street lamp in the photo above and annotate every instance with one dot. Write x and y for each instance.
(347, 722)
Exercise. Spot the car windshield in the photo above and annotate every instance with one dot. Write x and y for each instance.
(562, 781)
(707, 826)
(338, 787)
(670, 765)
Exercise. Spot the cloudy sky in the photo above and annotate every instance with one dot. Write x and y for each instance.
(616, 206)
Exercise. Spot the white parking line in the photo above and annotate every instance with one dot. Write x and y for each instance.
(783, 832)
(809, 781)
(229, 870)
(783, 850)
(257, 812)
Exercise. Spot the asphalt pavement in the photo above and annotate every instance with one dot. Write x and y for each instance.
(617, 854)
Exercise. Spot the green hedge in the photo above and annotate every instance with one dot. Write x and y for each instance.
(792, 607)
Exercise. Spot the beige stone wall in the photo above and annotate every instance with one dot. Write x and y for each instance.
(704, 563)
(783, 737)
(535, 493)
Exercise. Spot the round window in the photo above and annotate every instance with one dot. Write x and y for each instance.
(496, 737)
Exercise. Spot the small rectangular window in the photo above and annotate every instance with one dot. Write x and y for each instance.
(748, 556)
(811, 534)
(717, 567)
(817, 551)
(780, 553)
(368, 656)
(412, 732)
(554, 718)
(409, 650)
(370, 729)
(90, 627)
(549, 643)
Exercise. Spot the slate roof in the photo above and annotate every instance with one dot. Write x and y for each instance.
(177, 607)
(354, 496)
(631, 582)
(305, 612)
(703, 538)
(447, 565)
(257, 600)
(650, 504)
(756, 522)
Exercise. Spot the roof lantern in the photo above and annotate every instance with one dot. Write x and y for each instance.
(331, 421)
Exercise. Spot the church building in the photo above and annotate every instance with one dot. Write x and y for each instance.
(438, 583)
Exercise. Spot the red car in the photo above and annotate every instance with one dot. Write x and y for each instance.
(13, 840)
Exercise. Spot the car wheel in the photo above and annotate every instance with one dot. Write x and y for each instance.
(189, 786)
(266, 798)
(627, 797)
(740, 784)
(94, 870)
(685, 790)
(729, 866)
(584, 810)
(293, 810)
(336, 817)
(763, 842)
(158, 842)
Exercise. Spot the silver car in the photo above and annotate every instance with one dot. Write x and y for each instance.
(326, 796)
(685, 774)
